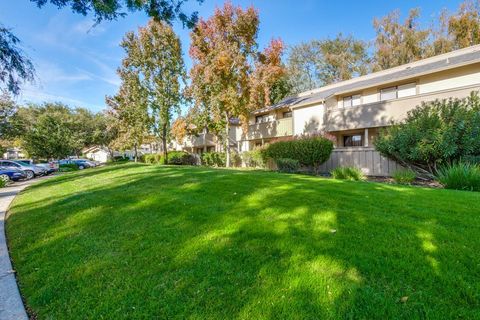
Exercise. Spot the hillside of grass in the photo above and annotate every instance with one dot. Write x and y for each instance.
(142, 242)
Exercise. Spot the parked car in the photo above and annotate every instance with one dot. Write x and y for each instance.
(51, 166)
(30, 170)
(80, 163)
(11, 174)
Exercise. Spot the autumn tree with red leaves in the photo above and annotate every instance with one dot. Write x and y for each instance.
(230, 77)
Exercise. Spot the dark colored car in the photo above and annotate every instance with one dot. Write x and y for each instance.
(80, 163)
(11, 174)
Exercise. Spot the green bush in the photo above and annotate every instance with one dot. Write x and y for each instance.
(309, 151)
(348, 173)
(435, 134)
(120, 159)
(405, 176)
(180, 158)
(3, 183)
(254, 158)
(287, 165)
(460, 176)
(214, 159)
(67, 167)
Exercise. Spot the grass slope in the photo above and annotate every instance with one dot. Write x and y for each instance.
(134, 241)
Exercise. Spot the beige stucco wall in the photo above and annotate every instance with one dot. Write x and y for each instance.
(455, 78)
(308, 119)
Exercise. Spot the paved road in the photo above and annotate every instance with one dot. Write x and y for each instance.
(11, 305)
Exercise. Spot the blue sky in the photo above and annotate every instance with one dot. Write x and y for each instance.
(76, 62)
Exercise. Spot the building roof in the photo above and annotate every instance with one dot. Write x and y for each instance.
(438, 63)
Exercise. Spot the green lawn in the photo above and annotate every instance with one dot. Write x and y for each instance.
(136, 241)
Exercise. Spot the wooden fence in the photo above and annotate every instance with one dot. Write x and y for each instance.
(368, 160)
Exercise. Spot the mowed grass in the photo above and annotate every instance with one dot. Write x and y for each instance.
(149, 242)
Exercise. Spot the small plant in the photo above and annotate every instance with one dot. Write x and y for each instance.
(348, 173)
(287, 165)
(460, 176)
(406, 176)
(3, 182)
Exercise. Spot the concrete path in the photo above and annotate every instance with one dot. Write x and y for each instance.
(11, 305)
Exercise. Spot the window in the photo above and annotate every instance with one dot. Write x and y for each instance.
(388, 93)
(262, 118)
(352, 101)
(405, 90)
(287, 114)
(353, 140)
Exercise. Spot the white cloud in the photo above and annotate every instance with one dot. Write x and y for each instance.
(35, 95)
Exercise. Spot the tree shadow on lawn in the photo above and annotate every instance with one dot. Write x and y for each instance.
(181, 243)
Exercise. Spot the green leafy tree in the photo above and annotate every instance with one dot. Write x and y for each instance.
(8, 108)
(435, 134)
(322, 62)
(161, 10)
(155, 54)
(46, 131)
(399, 43)
(128, 109)
(15, 67)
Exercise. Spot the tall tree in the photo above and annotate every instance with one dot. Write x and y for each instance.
(128, 109)
(15, 67)
(155, 54)
(343, 58)
(229, 76)
(304, 66)
(321, 62)
(399, 43)
(161, 10)
(464, 26)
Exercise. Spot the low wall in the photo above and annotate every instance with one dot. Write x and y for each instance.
(368, 160)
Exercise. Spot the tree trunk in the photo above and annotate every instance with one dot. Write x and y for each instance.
(135, 152)
(164, 143)
(205, 140)
(227, 141)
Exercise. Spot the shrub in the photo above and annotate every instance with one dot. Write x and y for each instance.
(287, 165)
(460, 176)
(434, 134)
(120, 159)
(214, 159)
(67, 167)
(254, 158)
(348, 173)
(3, 183)
(308, 151)
(179, 158)
(406, 176)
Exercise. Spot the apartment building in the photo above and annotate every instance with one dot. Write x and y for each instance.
(355, 110)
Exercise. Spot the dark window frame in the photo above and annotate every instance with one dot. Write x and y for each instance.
(288, 113)
(348, 140)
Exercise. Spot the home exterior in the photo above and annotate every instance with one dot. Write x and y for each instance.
(208, 142)
(354, 111)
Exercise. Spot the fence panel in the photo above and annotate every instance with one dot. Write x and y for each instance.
(369, 160)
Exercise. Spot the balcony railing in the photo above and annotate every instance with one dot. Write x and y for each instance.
(383, 113)
(272, 129)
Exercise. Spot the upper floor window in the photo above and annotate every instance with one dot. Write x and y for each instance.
(405, 90)
(352, 101)
(388, 93)
(287, 114)
(262, 118)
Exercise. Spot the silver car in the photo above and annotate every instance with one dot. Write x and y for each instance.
(30, 170)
